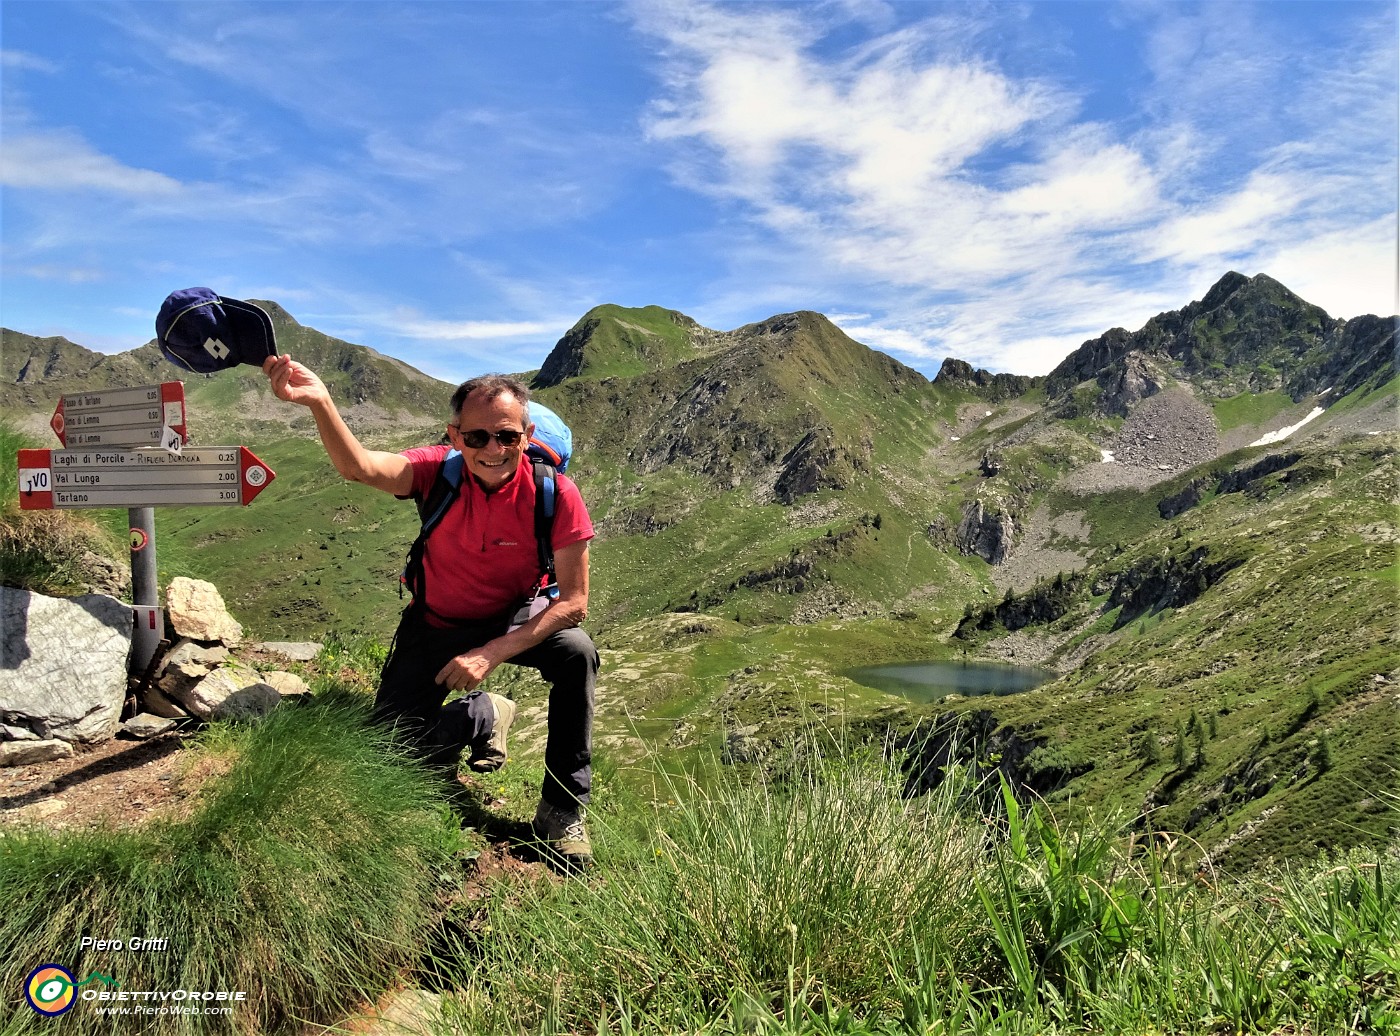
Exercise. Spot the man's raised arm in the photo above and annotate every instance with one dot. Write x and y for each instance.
(296, 383)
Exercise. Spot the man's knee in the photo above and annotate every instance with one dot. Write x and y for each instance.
(573, 649)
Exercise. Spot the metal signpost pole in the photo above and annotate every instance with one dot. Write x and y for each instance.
(149, 627)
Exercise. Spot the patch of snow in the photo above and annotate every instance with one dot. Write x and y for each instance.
(1106, 456)
(1373, 433)
(1284, 433)
(987, 414)
(955, 438)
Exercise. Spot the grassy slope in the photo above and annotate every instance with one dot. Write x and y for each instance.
(1293, 646)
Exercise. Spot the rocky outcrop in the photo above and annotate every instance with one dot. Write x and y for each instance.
(991, 535)
(1167, 581)
(1127, 382)
(63, 664)
(993, 388)
(1031, 763)
(814, 463)
(1043, 603)
(1231, 482)
(1183, 500)
(1241, 478)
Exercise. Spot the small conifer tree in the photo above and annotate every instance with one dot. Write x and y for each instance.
(1151, 747)
(1325, 760)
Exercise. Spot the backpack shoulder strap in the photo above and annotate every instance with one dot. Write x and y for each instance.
(546, 491)
(445, 489)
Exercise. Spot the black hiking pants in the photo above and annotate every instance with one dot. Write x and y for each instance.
(412, 703)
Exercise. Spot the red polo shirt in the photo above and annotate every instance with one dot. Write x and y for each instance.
(481, 559)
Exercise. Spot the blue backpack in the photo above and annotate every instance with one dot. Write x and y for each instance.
(548, 452)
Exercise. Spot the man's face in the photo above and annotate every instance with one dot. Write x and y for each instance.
(493, 463)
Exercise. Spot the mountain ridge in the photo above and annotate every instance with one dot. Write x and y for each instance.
(778, 503)
(1202, 338)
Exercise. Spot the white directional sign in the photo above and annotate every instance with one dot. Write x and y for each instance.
(152, 415)
(217, 475)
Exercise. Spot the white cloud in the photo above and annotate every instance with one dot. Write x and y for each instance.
(22, 61)
(60, 161)
(1347, 272)
(887, 339)
(988, 218)
(1231, 226)
(54, 272)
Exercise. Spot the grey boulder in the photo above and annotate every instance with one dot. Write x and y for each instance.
(63, 664)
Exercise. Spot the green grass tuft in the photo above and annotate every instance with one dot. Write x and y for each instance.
(306, 878)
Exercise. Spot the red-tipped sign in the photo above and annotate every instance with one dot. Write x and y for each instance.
(206, 475)
(152, 415)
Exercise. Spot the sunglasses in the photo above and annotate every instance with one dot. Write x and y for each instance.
(479, 437)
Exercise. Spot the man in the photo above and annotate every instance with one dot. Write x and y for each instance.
(480, 562)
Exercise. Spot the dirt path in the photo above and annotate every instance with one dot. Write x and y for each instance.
(118, 783)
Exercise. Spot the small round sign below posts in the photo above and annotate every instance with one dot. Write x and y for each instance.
(139, 539)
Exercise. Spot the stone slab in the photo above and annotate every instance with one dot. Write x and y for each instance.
(26, 753)
(292, 651)
(289, 685)
(144, 725)
(197, 611)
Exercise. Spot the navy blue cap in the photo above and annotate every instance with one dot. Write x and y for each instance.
(205, 332)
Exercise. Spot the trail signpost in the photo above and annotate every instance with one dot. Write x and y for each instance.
(125, 448)
(212, 475)
(151, 415)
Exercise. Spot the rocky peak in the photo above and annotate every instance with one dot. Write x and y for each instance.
(1246, 334)
(984, 384)
(1227, 286)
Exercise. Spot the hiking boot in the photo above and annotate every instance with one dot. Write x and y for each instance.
(492, 756)
(563, 834)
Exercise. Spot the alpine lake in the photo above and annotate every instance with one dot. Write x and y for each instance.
(930, 681)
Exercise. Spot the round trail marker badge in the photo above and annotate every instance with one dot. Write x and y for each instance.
(139, 539)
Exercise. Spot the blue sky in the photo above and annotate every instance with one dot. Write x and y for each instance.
(456, 183)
